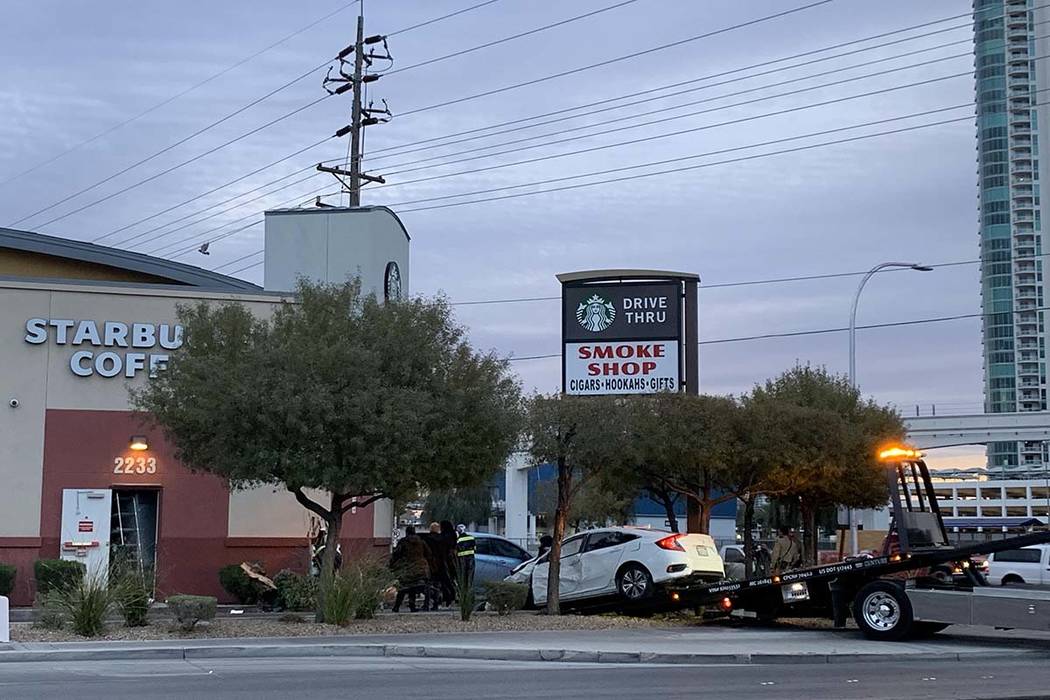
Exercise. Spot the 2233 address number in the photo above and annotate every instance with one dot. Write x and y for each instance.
(135, 465)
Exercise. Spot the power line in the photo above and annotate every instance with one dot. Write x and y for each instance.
(737, 70)
(442, 17)
(703, 165)
(184, 163)
(176, 96)
(505, 39)
(191, 136)
(657, 137)
(635, 54)
(171, 146)
(732, 71)
(143, 234)
(211, 191)
(817, 331)
(618, 102)
(600, 147)
(705, 100)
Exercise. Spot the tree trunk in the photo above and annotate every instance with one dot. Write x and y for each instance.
(334, 521)
(749, 539)
(554, 558)
(693, 515)
(809, 544)
(668, 504)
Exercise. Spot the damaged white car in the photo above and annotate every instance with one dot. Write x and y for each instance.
(624, 564)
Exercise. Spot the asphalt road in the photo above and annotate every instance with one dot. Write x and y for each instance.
(446, 679)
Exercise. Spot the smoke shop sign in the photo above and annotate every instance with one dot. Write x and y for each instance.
(108, 348)
(621, 338)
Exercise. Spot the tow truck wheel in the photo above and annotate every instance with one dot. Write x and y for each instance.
(883, 612)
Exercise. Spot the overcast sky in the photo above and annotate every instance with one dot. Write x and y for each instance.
(71, 70)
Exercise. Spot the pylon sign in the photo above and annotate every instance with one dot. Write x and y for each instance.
(628, 334)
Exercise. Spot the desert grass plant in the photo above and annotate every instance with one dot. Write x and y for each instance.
(191, 609)
(356, 591)
(132, 590)
(85, 603)
(465, 594)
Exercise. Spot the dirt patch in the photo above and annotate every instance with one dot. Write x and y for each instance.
(404, 623)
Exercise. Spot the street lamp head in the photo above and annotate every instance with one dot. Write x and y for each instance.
(922, 268)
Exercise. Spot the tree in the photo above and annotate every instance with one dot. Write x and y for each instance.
(468, 504)
(833, 458)
(581, 435)
(596, 503)
(681, 443)
(336, 393)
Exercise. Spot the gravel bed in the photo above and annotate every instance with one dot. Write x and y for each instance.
(403, 623)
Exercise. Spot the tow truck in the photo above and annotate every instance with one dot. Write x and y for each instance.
(895, 595)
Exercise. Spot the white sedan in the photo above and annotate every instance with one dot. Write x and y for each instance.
(628, 563)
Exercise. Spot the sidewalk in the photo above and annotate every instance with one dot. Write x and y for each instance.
(666, 646)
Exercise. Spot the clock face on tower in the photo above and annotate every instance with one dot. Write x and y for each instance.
(392, 282)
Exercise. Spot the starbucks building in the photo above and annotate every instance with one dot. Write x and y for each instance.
(81, 475)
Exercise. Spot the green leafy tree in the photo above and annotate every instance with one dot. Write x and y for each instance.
(469, 504)
(581, 435)
(596, 503)
(338, 398)
(682, 444)
(833, 454)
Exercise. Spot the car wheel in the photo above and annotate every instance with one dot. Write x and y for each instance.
(1012, 580)
(634, 583)
(883, 612)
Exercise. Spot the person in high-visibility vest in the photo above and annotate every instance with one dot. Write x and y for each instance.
(465, 555)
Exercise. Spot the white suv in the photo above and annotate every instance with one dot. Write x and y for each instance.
(629, 563)
(1025, 565)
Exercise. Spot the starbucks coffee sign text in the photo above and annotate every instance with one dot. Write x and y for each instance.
(117, 349)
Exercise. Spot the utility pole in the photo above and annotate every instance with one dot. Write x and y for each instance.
(350, 176)
(355, 115)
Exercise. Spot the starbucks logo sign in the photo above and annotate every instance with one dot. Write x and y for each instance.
(596, 314)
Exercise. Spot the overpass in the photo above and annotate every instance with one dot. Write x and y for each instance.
(927, 432)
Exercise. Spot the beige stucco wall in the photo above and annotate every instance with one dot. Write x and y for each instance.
(39, 377)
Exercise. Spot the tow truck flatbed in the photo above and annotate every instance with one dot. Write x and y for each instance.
(892, 595)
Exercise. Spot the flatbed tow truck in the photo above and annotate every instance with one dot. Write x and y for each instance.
(895, 595)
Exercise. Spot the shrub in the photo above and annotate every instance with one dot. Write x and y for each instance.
(296, 592)
(50, 618)
(7, 579)
(85, 603)
(191, 609)
(57, 574)
(238, 584)
(506, 596)
(132, 590)
(356, 591)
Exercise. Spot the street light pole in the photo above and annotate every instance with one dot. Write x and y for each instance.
(853, 358)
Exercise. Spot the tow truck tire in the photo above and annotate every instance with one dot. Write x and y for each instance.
(883, 612)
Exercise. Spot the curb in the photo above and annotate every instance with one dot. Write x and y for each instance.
(264, 651)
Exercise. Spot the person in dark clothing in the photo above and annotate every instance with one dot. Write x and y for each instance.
(409, 562)
(447, 574)
(546, 542)
(436, 561)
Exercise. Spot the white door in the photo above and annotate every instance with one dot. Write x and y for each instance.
(85, 528)
(601, 557)
(571, 572)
